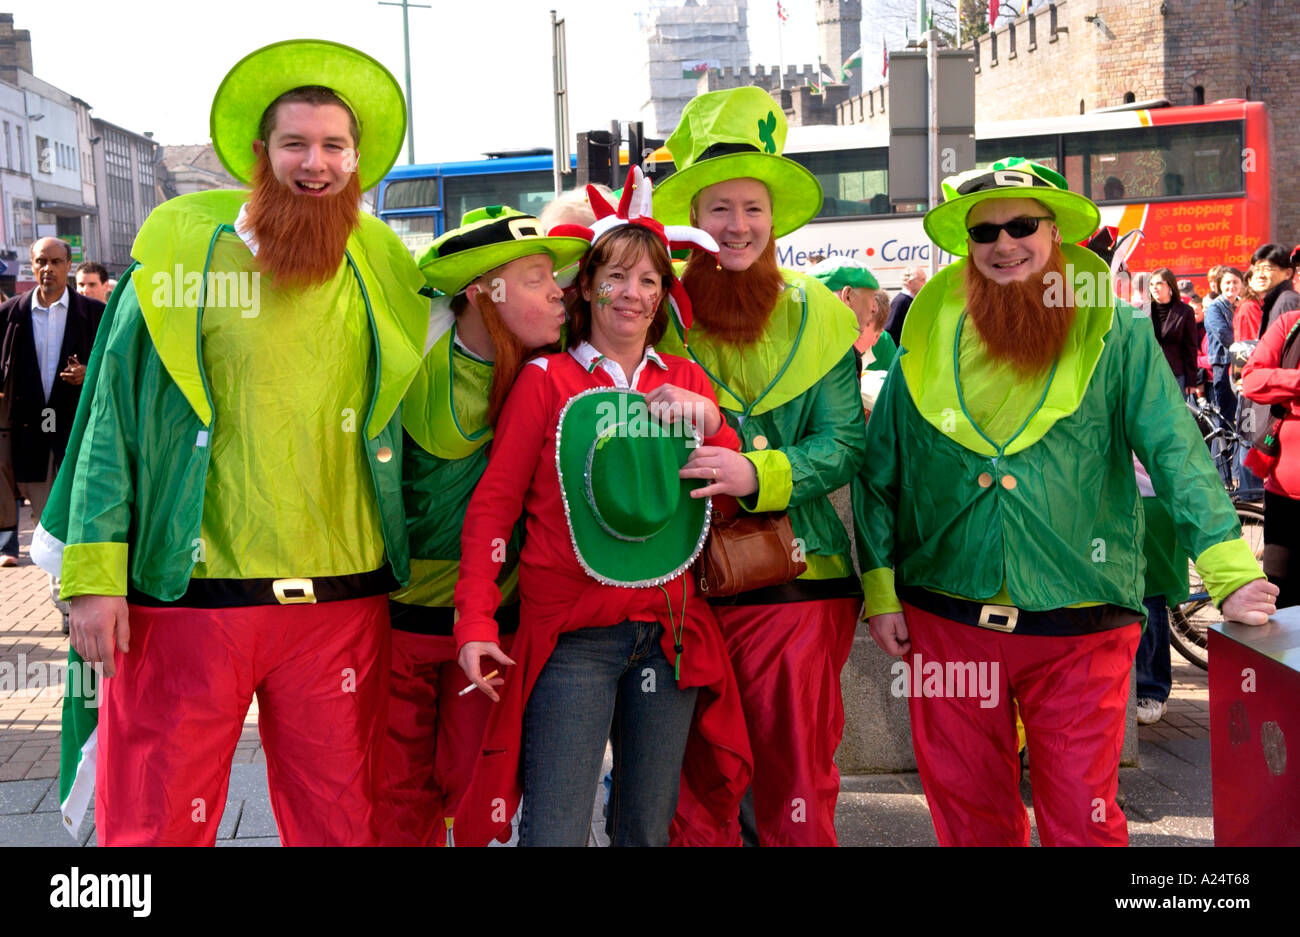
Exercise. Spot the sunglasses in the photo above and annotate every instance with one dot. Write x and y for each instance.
(1018, 228)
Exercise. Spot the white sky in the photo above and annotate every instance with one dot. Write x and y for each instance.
(481, 69)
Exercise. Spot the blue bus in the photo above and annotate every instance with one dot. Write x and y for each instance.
(421, 202)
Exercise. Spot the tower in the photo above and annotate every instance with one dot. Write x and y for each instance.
(839, 32)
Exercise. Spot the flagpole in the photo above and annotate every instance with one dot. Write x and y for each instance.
(780, 48)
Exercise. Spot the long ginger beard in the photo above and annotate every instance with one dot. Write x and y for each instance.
(300, 239)
(734, 305)
(1015, 322)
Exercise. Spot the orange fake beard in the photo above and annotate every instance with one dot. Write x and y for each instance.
(300, 239)
(734, 306)
(1014, 322)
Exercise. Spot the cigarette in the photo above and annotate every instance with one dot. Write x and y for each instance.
(475, 686)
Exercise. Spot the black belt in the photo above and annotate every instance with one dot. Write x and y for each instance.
(439, 619)
(238, 593)
(1009, 619)
(800, 590)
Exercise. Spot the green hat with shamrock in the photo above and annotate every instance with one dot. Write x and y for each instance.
(631, 520)
(365, 86)
(736, 134)
(1013, 177)
(487, 238)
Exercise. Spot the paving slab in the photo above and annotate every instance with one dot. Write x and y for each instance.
(252, 841)
(256, 820)
(22, 797)
(33, 829)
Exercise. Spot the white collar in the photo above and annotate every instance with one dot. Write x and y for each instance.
(61, 301)
(587, 356)
(245, 230)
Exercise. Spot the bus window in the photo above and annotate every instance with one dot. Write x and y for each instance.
(527, 191)
(1179, 161)
(854, 182)
(411, 193)
(416, 231)
(1040, 150)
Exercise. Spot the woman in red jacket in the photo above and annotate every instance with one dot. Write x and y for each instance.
(610, 645)
(1272, 376)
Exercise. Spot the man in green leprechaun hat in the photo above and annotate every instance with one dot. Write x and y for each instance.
(778, 347)
(998, 520)
(229, 521)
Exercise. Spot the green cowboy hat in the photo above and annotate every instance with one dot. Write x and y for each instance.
(260, 77)
(839, 271)
(487, 238)
(736, 134)
(632, 521)
(1013, 177)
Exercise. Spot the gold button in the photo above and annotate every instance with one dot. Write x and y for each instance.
(384, 454)
(985, 479)
(760, 442)
(1008, 482)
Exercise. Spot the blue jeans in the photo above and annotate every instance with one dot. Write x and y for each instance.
(599, 683)
(1154, 678)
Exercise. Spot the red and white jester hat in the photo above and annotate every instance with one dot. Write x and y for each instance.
(635, 208)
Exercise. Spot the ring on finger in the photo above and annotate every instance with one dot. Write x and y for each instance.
(715, 474)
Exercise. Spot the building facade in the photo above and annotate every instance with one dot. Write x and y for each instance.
(682, 42)
(125, 163)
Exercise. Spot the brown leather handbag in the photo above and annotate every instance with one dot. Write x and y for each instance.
(747, 551)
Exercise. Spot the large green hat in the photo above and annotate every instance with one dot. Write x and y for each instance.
(1013, 177)
(631, 519)
(487, 238)
(260, 77)
(736, 134)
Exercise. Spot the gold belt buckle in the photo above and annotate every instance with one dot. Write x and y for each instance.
(1009, 612)
(294, 592)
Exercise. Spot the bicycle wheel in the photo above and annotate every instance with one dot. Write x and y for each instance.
(1189, 622)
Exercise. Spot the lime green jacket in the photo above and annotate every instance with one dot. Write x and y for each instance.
(131, 510)
(793, 398)
(444, 416)
(1053, 516)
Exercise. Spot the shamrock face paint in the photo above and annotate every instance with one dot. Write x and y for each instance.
(604, 293)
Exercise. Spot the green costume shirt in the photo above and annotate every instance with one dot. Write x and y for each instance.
(793, 398)
(288, 382)
(445, 418)
(1024, 494)
(128, 503)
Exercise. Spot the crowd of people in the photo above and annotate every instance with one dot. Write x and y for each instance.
(1200, 335)
(458, 520)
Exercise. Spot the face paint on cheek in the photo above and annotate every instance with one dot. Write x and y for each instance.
(604, 294)
(350, 160)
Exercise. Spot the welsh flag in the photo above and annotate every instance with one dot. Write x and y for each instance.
(77, 738)
(854, 62)
(697, 68)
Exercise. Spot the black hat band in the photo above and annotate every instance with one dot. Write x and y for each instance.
(726, 149)
(1003, 179)
(502, 231)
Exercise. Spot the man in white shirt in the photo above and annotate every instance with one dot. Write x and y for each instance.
(45, 339)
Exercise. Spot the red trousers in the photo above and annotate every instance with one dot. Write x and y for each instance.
(1071, 690)
(433, 739)
(787, 660)
(170, 719)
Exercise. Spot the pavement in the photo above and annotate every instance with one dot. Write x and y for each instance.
(1166, 798)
